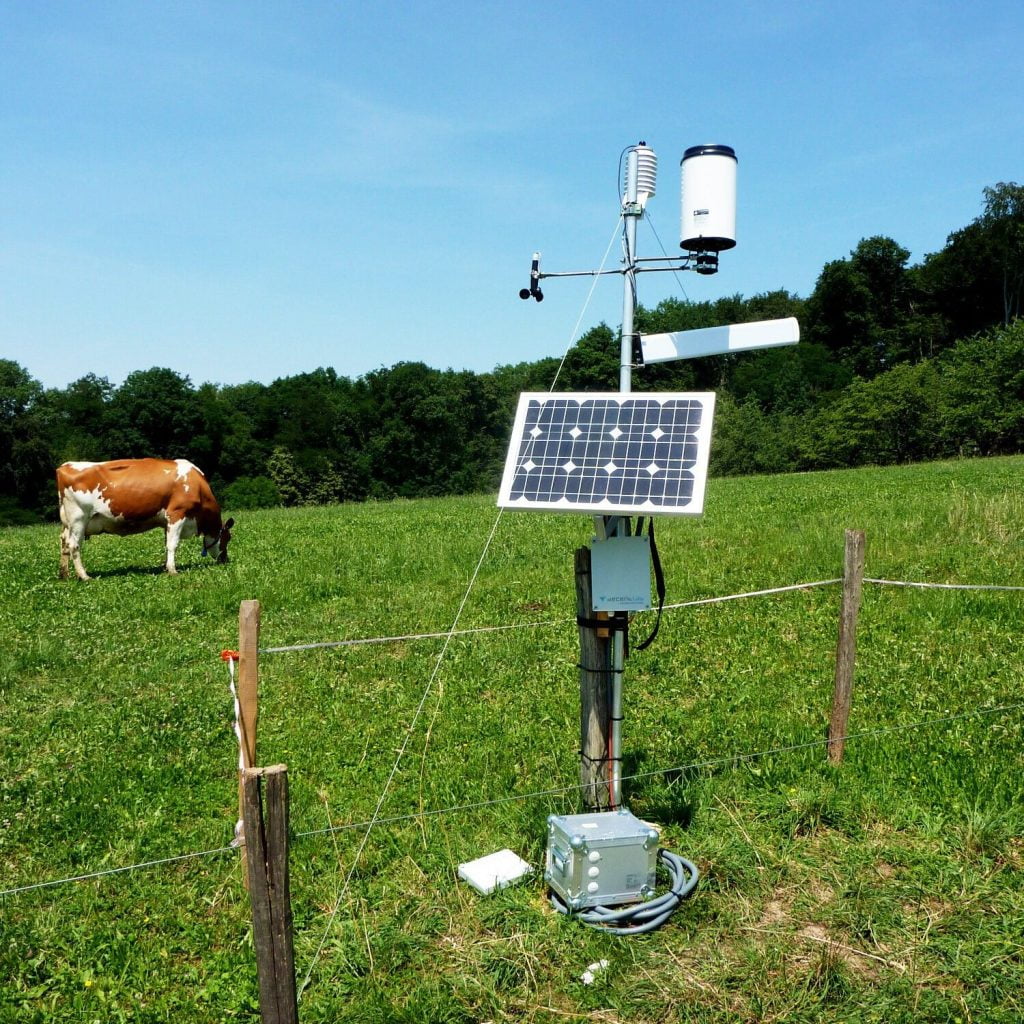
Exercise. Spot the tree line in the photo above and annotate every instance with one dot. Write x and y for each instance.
(897, 363)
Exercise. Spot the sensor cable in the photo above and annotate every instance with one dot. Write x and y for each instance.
(640, 918)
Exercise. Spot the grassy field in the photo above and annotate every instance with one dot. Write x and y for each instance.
(888, 889)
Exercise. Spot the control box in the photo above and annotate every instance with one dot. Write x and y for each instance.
(601, 859)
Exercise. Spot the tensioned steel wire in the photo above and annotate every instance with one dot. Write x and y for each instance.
(534, 625)
(437, 665)
(939, 586)
(725, 759)
(668, 607)
(567, 789)
(675, 273)
(89, 876)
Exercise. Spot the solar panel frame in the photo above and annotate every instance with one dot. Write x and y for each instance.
(609, 453)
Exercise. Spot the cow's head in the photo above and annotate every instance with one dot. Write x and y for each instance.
(217, 546)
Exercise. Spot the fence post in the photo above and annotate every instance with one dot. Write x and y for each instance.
(846, 648)
(595, 709)
(265, 813)
(248, 693)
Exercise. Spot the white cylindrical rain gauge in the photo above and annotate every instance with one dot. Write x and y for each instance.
(709, 199)
(646, 174)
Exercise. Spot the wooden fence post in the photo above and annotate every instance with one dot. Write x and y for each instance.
(846, 648)
(265, 813)
(595, 705)
(248, 693)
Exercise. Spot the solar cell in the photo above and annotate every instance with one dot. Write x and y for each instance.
(618, 453)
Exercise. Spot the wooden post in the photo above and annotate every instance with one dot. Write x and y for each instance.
(265, 813)
(248, 687)
(595, 709)
(846, 648)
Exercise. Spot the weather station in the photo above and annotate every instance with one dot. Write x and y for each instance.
(618, 456)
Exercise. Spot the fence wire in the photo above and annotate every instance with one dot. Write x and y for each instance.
(445, 634)
(727, 759)
(558, 791)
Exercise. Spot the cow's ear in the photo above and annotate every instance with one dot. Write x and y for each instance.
(229, 524)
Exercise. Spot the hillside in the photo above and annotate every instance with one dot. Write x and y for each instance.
(889, 888)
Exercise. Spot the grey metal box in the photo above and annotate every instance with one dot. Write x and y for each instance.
(601, 859)
(620, 571)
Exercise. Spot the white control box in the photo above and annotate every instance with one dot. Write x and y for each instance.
(620, 572)
(601, 859)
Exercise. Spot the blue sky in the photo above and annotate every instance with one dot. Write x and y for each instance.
(248, 191)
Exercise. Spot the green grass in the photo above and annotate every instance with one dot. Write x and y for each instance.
(887, 889)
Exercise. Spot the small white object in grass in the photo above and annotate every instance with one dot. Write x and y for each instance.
(494, 871)
(587, 977)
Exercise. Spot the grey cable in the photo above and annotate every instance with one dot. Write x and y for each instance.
(640, 918)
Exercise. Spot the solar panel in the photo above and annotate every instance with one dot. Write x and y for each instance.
(614, 454)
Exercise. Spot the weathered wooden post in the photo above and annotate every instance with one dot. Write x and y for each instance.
(595, 705)
(846, 647)
(248, 693)
(265, 813)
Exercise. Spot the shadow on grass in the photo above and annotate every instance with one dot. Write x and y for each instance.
(136, 570)
(665, 797)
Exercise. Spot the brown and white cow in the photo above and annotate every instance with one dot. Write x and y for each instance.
(135, 495)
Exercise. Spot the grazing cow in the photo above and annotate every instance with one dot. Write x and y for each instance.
(135, 495)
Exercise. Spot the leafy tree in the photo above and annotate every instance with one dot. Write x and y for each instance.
(860, 306)
(82, 420)
(290, 483)
(251, 492)
(976, 281)
(592, 364)
(155, 413)
(983, 393)
(1004, 220)
(423, 423)
(746, 440)
(248, 430)
(212, 420)
(957, 287)
(893, 418)
(26, 444)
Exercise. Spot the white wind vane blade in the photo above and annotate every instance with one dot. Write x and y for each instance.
(716, 341)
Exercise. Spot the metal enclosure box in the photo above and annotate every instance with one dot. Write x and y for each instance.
(601, 859)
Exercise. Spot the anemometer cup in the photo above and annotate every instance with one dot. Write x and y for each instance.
(535, 275)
